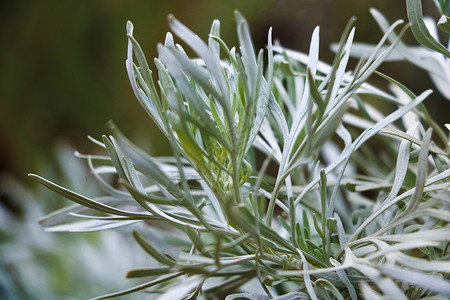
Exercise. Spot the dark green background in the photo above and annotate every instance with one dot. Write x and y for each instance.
(62, 63)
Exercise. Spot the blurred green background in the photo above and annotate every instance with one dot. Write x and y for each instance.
(62, 63)
(62, 77)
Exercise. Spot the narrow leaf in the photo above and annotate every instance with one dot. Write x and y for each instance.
(152, 251)
(419, 29)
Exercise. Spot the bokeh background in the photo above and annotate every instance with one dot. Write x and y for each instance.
(62, 72)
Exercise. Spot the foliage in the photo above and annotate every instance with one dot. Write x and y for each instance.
(434, 63)
(420, 30)
(38, 265)
(274, 189)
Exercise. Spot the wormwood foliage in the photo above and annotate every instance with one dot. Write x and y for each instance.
(420, 30)
(434, 63)
(274, 190)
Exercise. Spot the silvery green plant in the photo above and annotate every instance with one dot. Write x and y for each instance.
(436, 64)
(421, 30)
(274, 190)
(36, 265)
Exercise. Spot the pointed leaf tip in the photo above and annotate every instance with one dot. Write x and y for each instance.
(129, 28)
(238, 15)
(169, 40)
(373, 10)
(216, 23)
(171, 18)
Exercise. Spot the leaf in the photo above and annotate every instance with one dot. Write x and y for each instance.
(114, 155)
(262, 97)
(343, 133)
(66, 214)
(149, 103)
(213, 45)
(439, 234)
(247, 50)
(409, 137)
(341, 231)
(329, 286)
(419, 29)
(417, 279)
(422, 264)
(344, 278)
(307, 278)
(86, 201)
(421, 177)
(196, 240)
(152, 251)
(400, 174)
(140, 58)
(316, 95)
(339, 76)
(368, 292)
(414, 244)
(441, 176)
(315, 223)
(91, 225)
(140, 287)
(275, 110)
(303, 109)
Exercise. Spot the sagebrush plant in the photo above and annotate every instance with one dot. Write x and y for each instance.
(274, 190)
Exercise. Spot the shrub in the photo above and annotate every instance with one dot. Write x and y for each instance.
(276, 188)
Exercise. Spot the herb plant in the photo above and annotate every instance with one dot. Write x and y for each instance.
(275, 189)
